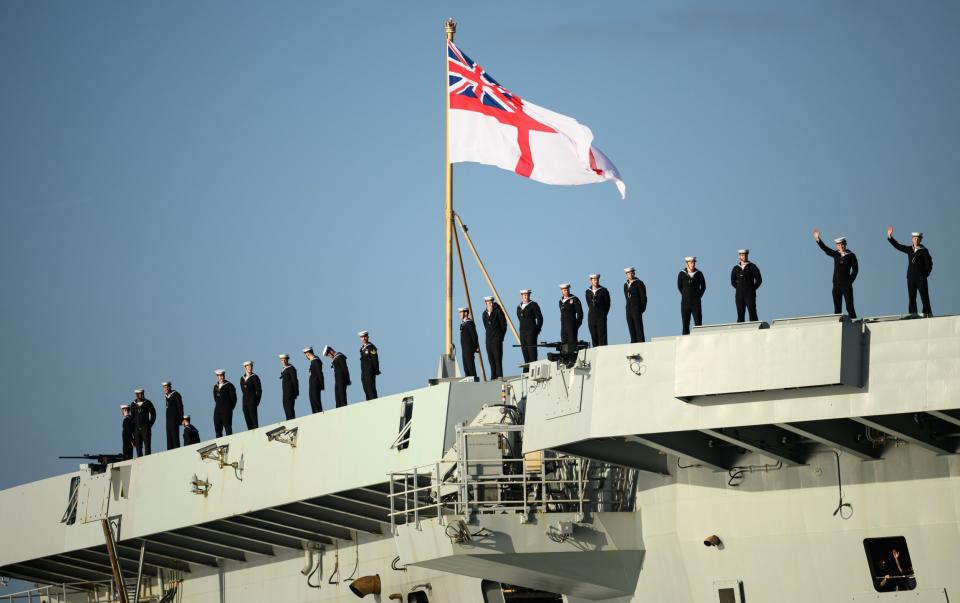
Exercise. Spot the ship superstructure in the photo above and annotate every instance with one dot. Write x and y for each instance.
(752, 462)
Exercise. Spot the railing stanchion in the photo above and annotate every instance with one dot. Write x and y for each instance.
(416, 500)
(393, 524)
(439, 502)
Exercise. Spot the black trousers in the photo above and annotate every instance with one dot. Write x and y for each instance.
(528, 346)
(746, 302)
(173, 432)
(222, 421)
(469, 365)
(340, 389)
(688, 309)
(250, 416)
(598, 329)
(141, 440)
(127, 449)
(315, 405)
(844, 291)
(369, 383)
(914, 285)
(569, 332)
(288, 408)
(495, 356)
(635, 325)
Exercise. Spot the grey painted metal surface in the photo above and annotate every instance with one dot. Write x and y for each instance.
(341, 451)
(907, 366)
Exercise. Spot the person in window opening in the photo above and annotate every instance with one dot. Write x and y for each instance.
(900, 578)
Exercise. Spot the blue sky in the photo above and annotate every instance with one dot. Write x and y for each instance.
(185, 186)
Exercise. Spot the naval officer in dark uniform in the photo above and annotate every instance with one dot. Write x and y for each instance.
(598, 306)
(571, 315)
(919, 267)
(531, 323)
(144, 416)
(127, 432)
(495, 328)
(252, 392)
(745, 279)
(315, 380)
(224, 402)
(190, 433)
(635, 294)
(845, 269)
(692, 285)
(469, 342)
(290, 386)
(341, 374)
(369, 365)
(174, 415)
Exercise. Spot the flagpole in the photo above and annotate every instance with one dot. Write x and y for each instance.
(451, 28)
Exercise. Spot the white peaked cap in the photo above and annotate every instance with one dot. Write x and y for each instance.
(138, 391)
(219, 372)
(283, 357)
(690, 258)
(248, 363)
(186, 417)
(564, 285)
(594, 276)
(308, 349)
(629, 269)
(747, 251)
(165, 384)
(363, 334)
(463, 310)
(122, 406)
(840, 240)
(522, 291)
(916, 234)
(488, 298)
(326, 350)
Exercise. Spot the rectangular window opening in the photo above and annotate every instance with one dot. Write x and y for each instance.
(406, 416)
(891, 568)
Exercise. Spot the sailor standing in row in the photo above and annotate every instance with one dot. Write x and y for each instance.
(341, 374)
(745, 279)
(845, 269)
(174, 415)
(127, 432)
(531, 322)
(190, 433)
(919, 267)
(224, 401)
(571, 315)
(692, 285)
(252, 392)
(144, 416)
(635, 293)
(369, 365)
(598, 305)
(315, 380)
(469, 342)
(290, 385)
(495, 327)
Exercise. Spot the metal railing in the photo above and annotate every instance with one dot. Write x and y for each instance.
(96, 592)
(538, 482)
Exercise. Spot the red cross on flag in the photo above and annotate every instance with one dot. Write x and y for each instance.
(488, 124)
